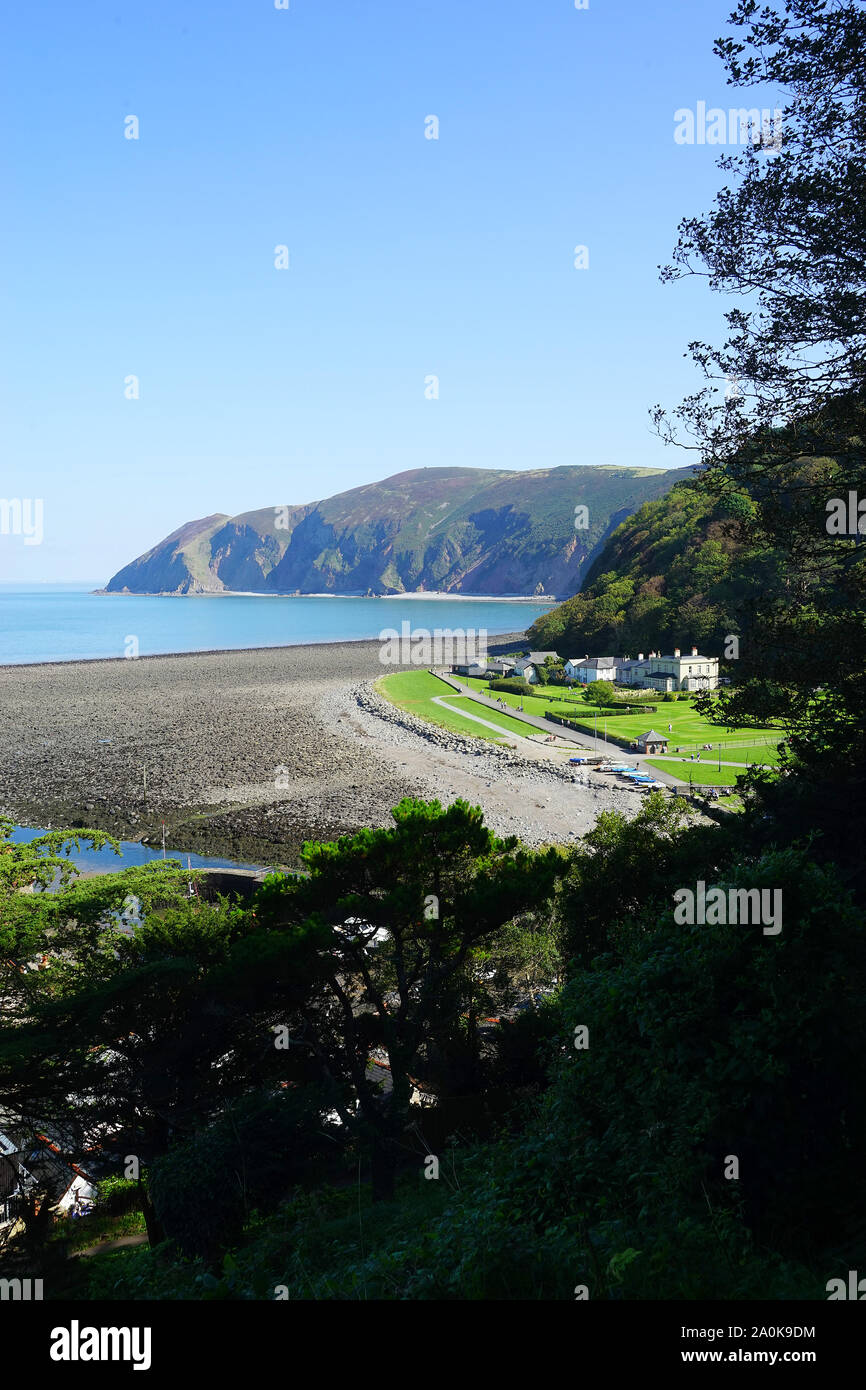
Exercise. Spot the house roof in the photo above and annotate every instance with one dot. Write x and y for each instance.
(541, 657)
(594, 662)
(652, 735)
(686, 656)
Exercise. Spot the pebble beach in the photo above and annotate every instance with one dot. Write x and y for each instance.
(248, 754)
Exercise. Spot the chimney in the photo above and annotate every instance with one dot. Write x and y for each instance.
(694, 651)
(676, 651)
(640, 656)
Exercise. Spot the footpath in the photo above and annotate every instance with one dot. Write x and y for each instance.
(583, 742)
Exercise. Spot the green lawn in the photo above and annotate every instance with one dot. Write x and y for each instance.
(766, 753)
(414, 691)
(704, 774)
(690, 729)
(530, 704)
(505, 722)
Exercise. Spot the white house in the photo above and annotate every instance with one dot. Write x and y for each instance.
(525, 669)
(663, 673)
(632, 670)
(678, 672)
(597, 668)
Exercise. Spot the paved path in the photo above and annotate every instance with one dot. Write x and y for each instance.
(527, 745)
(578, 737)
(119, 1243)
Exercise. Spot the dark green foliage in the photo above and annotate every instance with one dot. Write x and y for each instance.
(517, 687)
(204, 1189)
(118, 1195)
(707, 1041)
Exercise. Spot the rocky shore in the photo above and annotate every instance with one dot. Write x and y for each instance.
(247, 754)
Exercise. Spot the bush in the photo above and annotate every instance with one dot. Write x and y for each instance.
(710, 1040)
(204, 1189)
(602, 693)
(512, 684)
(670, 695)
(118, 1195)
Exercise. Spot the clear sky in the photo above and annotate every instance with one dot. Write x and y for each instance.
(408, 257)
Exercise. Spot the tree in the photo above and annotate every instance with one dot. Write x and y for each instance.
(109, 1040)
(602, 693)
(787, 234)
(788, 229)
(393, 924)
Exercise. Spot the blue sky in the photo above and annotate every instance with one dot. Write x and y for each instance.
(408, 257)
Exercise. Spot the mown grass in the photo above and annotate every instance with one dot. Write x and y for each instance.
(706, 774)
(413, 691)
(689, 729)
(504, 721)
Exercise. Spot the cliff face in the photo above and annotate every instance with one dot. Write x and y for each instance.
(459, 530)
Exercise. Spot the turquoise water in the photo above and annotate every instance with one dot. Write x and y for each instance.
(66, 622)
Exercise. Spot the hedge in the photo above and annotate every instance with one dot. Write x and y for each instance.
(516, 687)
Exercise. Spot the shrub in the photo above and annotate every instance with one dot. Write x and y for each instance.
(204, 1188)
(118, 1195)
(512, 684)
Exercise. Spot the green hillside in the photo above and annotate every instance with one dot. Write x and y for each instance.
(458, 530)
(675, 573)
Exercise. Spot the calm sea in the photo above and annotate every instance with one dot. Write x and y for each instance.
(66, 622)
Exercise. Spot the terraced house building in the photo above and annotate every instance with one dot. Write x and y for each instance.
(678, 672)
(663, 673)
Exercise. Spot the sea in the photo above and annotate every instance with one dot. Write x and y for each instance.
(69, 622)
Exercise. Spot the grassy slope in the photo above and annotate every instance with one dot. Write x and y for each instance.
(690, 728)
(413, 691)
(505, 722)
(705, 774)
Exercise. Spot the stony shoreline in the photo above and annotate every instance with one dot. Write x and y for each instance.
(247, 754)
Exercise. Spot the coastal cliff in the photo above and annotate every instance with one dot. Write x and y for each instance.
(452, 530)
